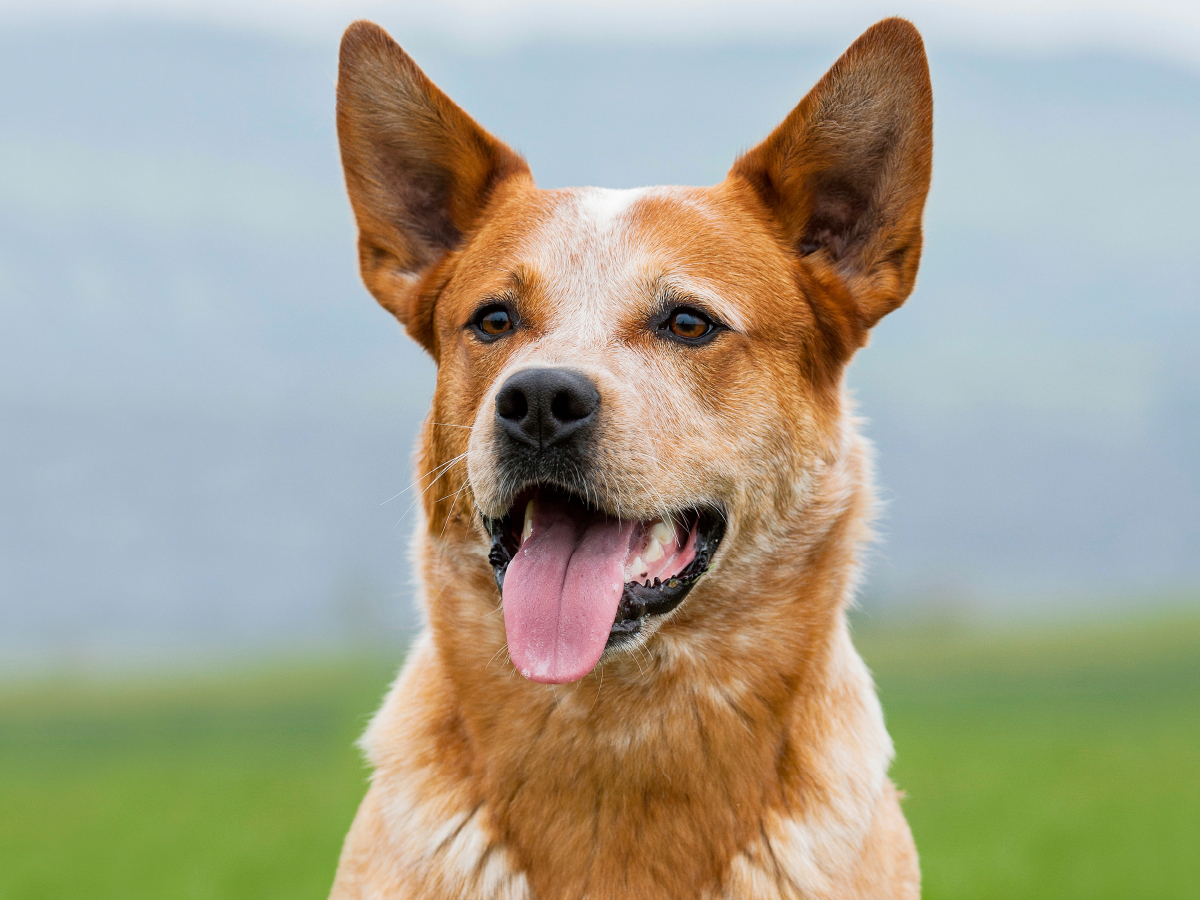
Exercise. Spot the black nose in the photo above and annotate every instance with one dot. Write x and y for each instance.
(544, 407)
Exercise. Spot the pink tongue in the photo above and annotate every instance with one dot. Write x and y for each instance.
(561, 593)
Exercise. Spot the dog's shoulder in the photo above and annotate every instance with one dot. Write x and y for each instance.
(421, 830)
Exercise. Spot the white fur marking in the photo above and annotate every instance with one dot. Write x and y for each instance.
(604, 206)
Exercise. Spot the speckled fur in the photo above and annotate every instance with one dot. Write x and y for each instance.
(738, 750)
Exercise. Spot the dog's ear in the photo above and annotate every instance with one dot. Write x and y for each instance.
(419, 171)
(844, 178)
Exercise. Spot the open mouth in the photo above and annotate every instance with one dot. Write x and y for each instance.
(576, 581)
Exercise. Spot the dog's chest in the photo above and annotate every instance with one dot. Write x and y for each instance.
(790, 861)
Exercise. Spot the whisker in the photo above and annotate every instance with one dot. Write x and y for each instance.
(450, 514)
(596, 699)
(503, 647)
(637, 660)
(445, 467)
(419, 478)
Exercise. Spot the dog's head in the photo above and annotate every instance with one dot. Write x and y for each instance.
(641, 383)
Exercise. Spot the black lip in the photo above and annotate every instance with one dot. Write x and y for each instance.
(639, 602)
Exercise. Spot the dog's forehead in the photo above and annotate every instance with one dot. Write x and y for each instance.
(601, 249)
(603, 209)
(604, 226)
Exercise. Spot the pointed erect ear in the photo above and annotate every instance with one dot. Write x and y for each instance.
(420, 172)
(844, 178)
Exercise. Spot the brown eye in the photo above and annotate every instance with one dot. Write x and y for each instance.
(492, 321)
(688, 324)
(496, 322)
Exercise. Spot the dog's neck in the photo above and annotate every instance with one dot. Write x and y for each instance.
(751, 713)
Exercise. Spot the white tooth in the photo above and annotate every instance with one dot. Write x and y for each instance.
(636, 568)
(662, 532)
(528, 529)
(654, 550)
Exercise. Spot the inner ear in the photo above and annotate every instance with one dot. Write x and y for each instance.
(839, 213)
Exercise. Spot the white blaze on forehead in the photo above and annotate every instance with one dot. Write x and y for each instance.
(602, 208)
(590, 257)
(598, 254)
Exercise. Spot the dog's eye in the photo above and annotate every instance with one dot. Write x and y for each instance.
(495, 322)
(689, 324)
(492, 321)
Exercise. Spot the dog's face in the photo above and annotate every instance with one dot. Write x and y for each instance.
(644, 384)
(623, 390)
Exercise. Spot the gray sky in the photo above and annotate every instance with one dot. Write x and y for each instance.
(1163, 29)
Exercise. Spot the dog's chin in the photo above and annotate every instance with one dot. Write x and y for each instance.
(564, 557)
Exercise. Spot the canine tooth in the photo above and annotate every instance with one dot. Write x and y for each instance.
(654, 550)
(528, 529)
(662, 532)
(637, 567)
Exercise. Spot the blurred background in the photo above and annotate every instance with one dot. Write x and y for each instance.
(206, 422)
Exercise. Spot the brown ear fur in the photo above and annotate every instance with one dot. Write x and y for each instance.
(419, 172)
(844, 177)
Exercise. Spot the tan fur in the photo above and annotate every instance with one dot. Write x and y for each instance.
(739, 750)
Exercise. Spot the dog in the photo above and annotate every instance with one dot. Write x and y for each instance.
(644, 502)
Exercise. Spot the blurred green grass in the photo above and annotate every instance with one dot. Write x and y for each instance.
(1060, 762)
(1052, 762)
(239, 785)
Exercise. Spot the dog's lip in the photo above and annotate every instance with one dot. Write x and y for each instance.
(639, 602)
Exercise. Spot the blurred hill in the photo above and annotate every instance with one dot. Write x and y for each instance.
(203, 415)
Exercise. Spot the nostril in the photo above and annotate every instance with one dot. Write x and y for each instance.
(569, 406)
(512, 404)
